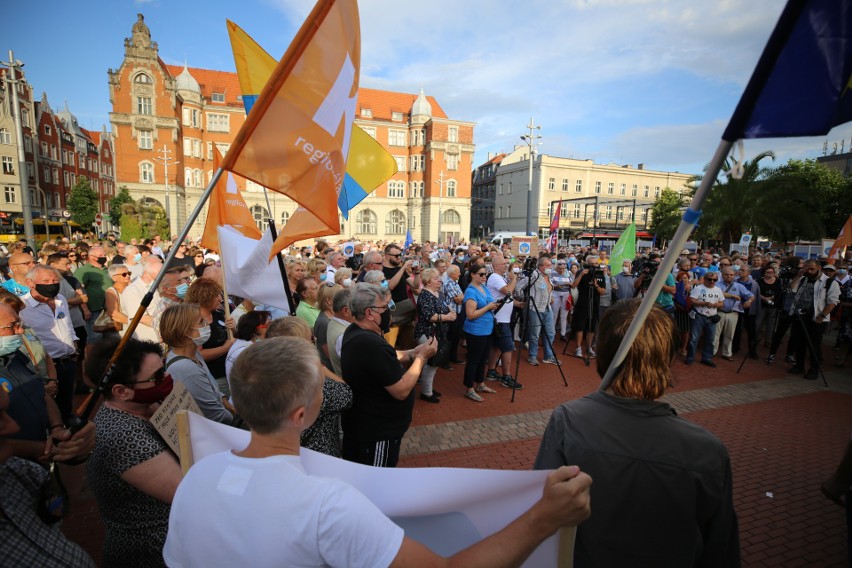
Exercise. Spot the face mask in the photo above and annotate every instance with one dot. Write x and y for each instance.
(626, 268)
(49, 291)
(137, 257)
(516, 270)
(386, 320)
(102, 260)
(384, 284)
(9, 344)
(323, 276)
(154, 394)
(841, 273)
(347, 282)
(548, 271)
(180, 290)
(203, 337)
(460, 256)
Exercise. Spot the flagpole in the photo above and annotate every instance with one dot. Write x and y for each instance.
(76, 422)
(281, 268)
(690, 219)
(226, 304)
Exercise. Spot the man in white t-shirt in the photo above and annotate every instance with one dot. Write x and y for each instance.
(501, 283)
(258, 507)
(707, 298)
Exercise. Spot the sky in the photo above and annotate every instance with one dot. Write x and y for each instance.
(615, 81)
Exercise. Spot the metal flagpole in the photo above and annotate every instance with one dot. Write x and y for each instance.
(281, 268)
(76, 422)
(690, 219)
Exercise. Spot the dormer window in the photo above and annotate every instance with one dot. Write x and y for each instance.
(218, 97)
(367, 113)
(396, 116)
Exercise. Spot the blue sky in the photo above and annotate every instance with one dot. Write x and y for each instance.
(616, 81)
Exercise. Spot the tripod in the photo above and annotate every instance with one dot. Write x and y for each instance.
(526, 314)
(815, 355)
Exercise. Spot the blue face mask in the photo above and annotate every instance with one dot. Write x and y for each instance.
(137, 257)
(323, 276)
(180, 290)
(384, 284)
(9, 344)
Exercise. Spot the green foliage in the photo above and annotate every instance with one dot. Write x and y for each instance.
(83, 204)
(117, 203)
(666, 214)
(130, 227)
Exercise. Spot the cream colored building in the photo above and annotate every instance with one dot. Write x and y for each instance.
(617, 192)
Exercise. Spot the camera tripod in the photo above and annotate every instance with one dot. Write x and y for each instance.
(590, 296)
(526, 314)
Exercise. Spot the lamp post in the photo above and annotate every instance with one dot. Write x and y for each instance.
(165, 159)
(14, 68)
(46, 217)
(530, 140)
(440, 183)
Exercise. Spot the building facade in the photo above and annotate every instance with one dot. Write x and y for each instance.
(57, 154)
(167, 119)
(482, 201)
(602, 196)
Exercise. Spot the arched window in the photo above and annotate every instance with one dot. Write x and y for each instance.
(260, 215)
(187, 177)
(366, 222)
(395, 223)
(421, 190)
(146, 172)
(198, 178)
(150, 202)
(451, 188)
(142, 78)
(452, 217)
(284, 218)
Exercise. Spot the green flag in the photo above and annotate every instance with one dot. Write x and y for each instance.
(624, 249)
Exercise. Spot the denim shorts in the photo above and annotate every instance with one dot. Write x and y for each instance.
(503, 339)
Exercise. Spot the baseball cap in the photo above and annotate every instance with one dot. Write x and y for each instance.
(684, 251)
(829, 267)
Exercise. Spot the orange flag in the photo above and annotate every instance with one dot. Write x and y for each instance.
(296, 138)
(844, 239)
(227, 207)
(302, 225)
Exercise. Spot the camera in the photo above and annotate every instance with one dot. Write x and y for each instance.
(787, 273)
(529, 266)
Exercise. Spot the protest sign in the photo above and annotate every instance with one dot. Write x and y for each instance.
(165, 419)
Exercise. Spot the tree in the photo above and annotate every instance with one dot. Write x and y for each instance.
(83, 204)
(666, 214)
(130, 227)
(117, 203)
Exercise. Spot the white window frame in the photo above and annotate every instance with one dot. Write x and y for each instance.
(146, 139)
(396, 137)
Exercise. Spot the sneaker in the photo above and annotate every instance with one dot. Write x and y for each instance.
(770, 359)
(483, 388)
(533, 362)
(592, 353)
(436, 393)
(473, 396)
(552, 361)
(579, 352)
(492, 375)
(709, 363)
(510, 383)
(790, 359)
(433, 399)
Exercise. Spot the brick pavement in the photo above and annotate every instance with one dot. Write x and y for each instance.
(784, 435)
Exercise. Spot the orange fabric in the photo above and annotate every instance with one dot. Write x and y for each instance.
(844, 239)
(227, 207)
(296, 138)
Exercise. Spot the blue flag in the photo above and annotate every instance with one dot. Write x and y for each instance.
(408, 240)
(802, 85)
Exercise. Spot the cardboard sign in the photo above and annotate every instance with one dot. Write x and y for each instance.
(165, 419)
(348, 249)
(525, 246)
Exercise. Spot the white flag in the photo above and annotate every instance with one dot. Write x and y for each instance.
(248, 272)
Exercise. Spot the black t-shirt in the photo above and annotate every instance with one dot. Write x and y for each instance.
(369, 365)
(770, 291)
(218, 337)
(400, 293)
(587, 291)
(185, 261)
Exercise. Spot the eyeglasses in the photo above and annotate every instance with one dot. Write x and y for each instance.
(390, 307)
(482, 274)
(13, 326)
(394, 255)
(23, 263)
(157, 378)
(710, 279)
(123, 274)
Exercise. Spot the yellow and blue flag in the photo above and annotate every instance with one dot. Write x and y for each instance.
(802, 85)
(368, 164)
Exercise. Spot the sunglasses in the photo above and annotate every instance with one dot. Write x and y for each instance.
(157, 378)
(123, 274)
(394, 255)
(710, 279)
(482, 274)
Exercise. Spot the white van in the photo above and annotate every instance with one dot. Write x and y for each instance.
(501, 237)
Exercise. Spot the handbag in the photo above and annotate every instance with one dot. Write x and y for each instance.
(404, 312)
(715, 318)
(442, 356)
(105, 323)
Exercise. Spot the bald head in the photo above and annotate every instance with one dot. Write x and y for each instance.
(19, 264)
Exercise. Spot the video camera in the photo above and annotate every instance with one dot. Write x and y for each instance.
(594, 270)
(529, 266)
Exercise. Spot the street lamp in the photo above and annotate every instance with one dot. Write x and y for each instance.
(14, 66)
(440, 183)
(165, 159)
(530, 140)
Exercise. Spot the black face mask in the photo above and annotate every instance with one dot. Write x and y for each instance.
(386, 321)
(102, 260)
(49, 291)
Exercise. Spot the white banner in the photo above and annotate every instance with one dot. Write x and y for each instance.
(447, 509)
(248, 272)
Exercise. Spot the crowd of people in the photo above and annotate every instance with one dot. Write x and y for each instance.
(339, 374)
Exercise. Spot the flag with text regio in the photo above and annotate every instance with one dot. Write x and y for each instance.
(368, 164)
(624, 249)
(226, 207)
(802, 84)
(844, 239)
(553, 241)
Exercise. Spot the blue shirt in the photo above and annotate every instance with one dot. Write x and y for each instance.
(484, 324)
(732, 305)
